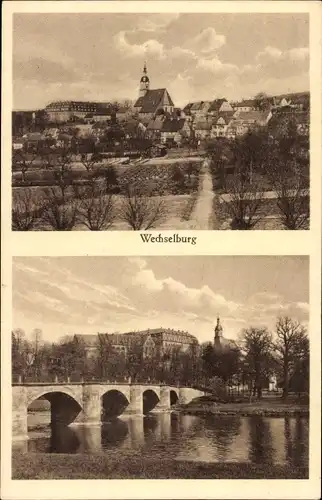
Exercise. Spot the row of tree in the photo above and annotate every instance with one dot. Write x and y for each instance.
(89, 201)
(257, 357)
(245, 169)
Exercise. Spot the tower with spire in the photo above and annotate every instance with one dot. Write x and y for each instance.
(218, 334)
(144, 82)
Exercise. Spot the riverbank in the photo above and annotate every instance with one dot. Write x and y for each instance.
(265, 408)
(141, 466)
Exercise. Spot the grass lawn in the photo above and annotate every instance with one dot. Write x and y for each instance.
(267, 406)
(140, 466)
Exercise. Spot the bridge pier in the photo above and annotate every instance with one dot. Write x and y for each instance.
(135, 405)
(164, 403)
(19, 414)
(92, 406)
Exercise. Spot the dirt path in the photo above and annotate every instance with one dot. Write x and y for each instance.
(201, 216)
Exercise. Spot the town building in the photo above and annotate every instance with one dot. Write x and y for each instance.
(150, 101)
(169, 130)
(219, 106)
(149, 342)
(245, 105)
(202, 129)
(64, 111)
(221, 123)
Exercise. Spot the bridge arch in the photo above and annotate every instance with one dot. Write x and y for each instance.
(114, 402)
(64, 406)
(150, 400)
(174, 397)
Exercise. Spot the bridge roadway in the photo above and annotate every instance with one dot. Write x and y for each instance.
(83, 402)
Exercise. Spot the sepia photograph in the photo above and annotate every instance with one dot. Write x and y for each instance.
(196, 121)
(160, 367)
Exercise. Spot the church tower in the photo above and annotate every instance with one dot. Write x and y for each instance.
(144, 82)
(218, 334)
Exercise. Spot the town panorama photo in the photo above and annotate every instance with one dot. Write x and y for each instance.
(160, 121)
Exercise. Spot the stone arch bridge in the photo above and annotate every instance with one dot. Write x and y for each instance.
(85, 403)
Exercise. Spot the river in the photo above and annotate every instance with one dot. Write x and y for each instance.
(211, 439)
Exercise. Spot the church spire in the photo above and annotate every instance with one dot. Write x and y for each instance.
(219, 328)
(144, 82)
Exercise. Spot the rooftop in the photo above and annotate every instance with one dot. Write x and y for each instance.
(152, 99)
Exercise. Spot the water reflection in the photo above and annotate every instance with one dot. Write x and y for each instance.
(253, 439)
(261, 445)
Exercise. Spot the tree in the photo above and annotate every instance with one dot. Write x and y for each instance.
(90, 161)
(262, 101)
(250, 152)
(59, 214)
(111, 179)
(292, 191)
(243, 203)
(291, 337)
(17, 353)
(23, 161)
(177, 178)
(257, 346)
(300, 378)
(97, 210)
(62, 172)
(26, 210)
(141, 211)
(36, 343)
(227, 364)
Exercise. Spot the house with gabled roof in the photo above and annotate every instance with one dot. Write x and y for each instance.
(174, 129)
(219, 106)
(220, 124)
(202, 129)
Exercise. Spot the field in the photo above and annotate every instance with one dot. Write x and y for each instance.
(170, 182)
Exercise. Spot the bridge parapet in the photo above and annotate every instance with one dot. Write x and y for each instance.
(82, 403)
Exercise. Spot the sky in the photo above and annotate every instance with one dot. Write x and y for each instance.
(68, 295)
(195, 56)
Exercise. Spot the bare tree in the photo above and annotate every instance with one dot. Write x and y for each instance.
(63, 171)
(97, 210)
(292, 191)
(290, 337)
(58, 213)
(141, 211)
(26, 210)
(257, 347)
(90, 161)
(243, 203)
(23, 161)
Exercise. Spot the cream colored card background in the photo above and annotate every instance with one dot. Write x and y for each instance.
(129, 243)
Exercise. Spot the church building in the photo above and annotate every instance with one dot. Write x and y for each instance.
(220, 342)
(151, 101)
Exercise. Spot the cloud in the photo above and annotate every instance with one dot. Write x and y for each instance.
(151, 47)
(176, 294)
(216, 66)
(270, 52)
(299, 54)
(206, 42)
(273, 53)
